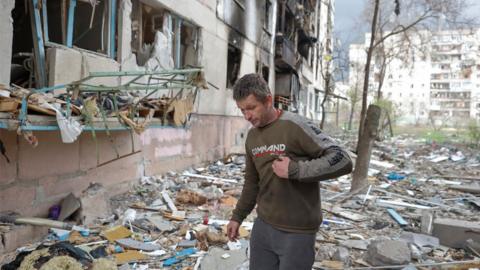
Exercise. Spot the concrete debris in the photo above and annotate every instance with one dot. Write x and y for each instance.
(427, 222)
(325, 252)
(161, 224)
(454, 233)
(178, 220)
(219, 259)
(356, 244)
(388, 252)
(342, 254)
(133, 244)
(421, 240)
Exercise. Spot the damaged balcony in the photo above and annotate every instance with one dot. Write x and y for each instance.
(101, 107)
(75, 62)
(284, 53)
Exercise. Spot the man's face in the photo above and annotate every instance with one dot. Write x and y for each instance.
(255, 111)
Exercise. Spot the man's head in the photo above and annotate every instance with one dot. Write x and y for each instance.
(254, 99)
(251, 84)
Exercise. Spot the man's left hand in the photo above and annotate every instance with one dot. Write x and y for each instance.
(280, 166)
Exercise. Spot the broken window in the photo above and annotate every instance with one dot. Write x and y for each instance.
(233, 65)
(159, 34)
(80, 23)
(88, 29)
(83, 24)
(262, 69)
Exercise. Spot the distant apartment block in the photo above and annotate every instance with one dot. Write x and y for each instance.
(431, 79)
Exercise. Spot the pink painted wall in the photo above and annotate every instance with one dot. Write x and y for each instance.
(39, 177)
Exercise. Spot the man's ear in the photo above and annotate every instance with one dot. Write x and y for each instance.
(269, 100)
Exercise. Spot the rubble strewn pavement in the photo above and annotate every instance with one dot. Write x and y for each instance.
(415, 214)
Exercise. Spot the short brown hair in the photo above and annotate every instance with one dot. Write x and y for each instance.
(251, 83)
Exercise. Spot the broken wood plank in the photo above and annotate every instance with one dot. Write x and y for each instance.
(209, 177)
(474, 189)
(339, 211)
(473, 178)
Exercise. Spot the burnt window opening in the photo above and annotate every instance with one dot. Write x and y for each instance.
(286, 22)
(305, 44)
(262, 70)
(265, 73)
(234, 59)
(157, 33)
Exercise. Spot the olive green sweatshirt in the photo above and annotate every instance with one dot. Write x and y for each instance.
(291, 204)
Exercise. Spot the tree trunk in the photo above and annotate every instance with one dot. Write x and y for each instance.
(325, 96)
(363, 113)
(365, 144)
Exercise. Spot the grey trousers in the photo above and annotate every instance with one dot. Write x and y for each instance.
(272, 249)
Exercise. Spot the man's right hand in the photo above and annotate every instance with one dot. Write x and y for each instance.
(232, 230)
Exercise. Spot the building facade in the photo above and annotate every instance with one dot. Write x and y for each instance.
(64, 41)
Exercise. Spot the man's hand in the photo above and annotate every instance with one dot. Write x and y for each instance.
(232, 230)
(280, 166)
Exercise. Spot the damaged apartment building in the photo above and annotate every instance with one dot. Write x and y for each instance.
(108, 91)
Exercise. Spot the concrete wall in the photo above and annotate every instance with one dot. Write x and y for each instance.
(46, 174)
(66, 65)
(6, 32)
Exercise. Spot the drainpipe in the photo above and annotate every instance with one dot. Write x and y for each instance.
(273, 25)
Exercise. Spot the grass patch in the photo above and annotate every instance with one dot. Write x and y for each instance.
(427, 133)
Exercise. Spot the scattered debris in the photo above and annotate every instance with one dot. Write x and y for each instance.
(420, 220)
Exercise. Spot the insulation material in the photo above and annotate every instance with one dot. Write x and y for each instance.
(181, 108)
(62, 263)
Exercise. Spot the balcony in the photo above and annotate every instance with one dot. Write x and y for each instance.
(284, 53)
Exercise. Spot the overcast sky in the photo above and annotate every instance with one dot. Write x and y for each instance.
(347, 16)
(347, 25)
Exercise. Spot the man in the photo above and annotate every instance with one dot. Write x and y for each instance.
(286, 156)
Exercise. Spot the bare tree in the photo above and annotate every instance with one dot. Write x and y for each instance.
(405, 17)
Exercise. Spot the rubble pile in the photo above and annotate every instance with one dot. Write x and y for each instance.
(420, 211)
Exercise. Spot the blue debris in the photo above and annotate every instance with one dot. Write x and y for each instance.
(179, 256)
(395, 176)
(399, 219)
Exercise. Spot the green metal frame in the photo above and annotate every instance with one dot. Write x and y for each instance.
(157, 80)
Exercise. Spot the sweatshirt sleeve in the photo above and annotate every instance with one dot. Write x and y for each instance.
(326, 159)
(248, 198)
